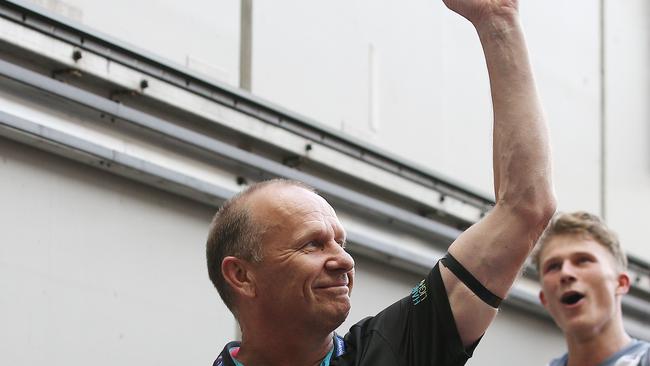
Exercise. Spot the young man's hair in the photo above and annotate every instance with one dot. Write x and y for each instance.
(234, 232)
(581, 223)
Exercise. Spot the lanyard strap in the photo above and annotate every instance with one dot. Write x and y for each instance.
(339, 345)
(338, 349)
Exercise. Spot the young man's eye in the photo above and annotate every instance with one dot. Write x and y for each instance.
(583, 260)
(551, 267)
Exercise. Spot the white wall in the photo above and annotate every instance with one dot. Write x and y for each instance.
(433, 91)
(432, 95)
(202, 35)
(628, 122)
(97, 269)
(516, 339)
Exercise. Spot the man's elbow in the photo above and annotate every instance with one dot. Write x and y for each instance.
(534, 209)
(544, 212)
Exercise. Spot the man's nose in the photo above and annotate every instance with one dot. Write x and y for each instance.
(567, 273)
(340, 260)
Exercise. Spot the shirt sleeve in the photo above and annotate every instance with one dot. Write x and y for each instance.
(417, 330)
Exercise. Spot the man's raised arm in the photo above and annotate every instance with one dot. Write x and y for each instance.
(494, 249)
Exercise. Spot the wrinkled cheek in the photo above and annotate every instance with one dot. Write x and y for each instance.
(350, 282)
(346, 308)
(307, 295)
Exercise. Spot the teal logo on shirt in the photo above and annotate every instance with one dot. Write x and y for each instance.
(419, 293)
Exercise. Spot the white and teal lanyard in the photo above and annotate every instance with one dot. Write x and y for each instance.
(338, 349)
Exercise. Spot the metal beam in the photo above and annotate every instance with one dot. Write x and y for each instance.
(78, 149)
(185, 137)
(84, 38)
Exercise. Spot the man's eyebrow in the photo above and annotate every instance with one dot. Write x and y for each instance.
(306, 233)
(570, 255)
(583, 252)
(339, 232)
(548, 260)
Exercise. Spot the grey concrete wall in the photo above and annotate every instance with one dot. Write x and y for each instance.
(95, 269)
(628, 122)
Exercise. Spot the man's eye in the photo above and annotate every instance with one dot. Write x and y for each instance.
(312, 245)
(342, 243)
(552, 267)
(583, 260)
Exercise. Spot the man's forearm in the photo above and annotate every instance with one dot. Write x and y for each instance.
(521, 156)
(522, 173)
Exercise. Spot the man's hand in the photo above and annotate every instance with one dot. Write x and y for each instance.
(478, 11)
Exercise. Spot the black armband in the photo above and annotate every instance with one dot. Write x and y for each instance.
(470, 281)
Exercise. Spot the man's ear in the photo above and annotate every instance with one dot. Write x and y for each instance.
(542, 298)
(238, 275)
(623, 283)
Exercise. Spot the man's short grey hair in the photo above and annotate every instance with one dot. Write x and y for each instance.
(234, 232)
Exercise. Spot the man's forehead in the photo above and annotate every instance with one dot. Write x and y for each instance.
(294, 213)
(280, 200)
(568, 244)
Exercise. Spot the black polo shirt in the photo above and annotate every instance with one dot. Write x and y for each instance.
(417, 330)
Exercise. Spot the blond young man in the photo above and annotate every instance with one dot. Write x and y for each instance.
(582, 269)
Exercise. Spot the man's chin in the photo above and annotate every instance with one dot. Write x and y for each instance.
(333, 317)
(342, 310)
(579, 326)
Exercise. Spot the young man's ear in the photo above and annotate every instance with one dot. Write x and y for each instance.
(623, 283)
(237, 274)
(542, 298)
